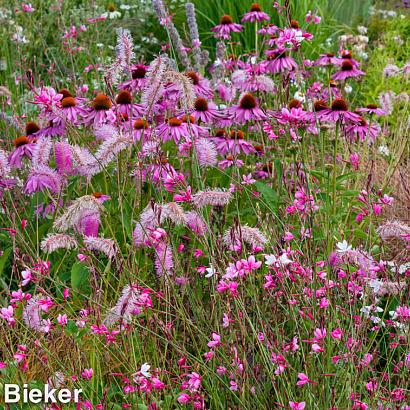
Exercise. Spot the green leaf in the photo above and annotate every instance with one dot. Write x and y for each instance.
(269, 195)
(4, 258)
(80, 278)
(344, 177)
(71, 328)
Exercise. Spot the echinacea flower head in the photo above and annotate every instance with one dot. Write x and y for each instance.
(206, 111)
(32, 128)
(363, 131)
(279, 61)
(124, 97)
(347, 70)
(24, 147)
(339, 111)
(65, 93)
(247, 110)
(138, 79)
(100, 112)
(371, 109)
(255, 14)
(233, 144)
(68, 102)
(141, 129)
(320, 105)
(328, 59)
(225, 27)
(172, 129)
(201, 85)
(101, 102)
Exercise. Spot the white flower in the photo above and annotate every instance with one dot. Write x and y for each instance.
(273, 260)
(403, 268)
(270, 260)
(299, 36)
(111, 14)
(366, 310)
(343, 247)
(384, 150)
(362, 29)
(211, 272)
(299, 96)
(348, 89)
(145, 370)
(376, 285)
(284, 260)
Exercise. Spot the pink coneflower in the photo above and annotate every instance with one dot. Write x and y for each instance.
(326, 60)
(23, 148)
(32, 128)
(278, 62)
(268, 30)
(70, 110)
(348, 70)
(193, 128)
(371, 109)
(346, 55)
(201, 85)
(141, 129)
(229, 162)
(255, 14)
(100, 112)
(363, 131)
(126, 106)
(247, 110)
(339, 111)
(226, 26)
(138, 80)
(206, 111)
(233, 144)
(54, 128)
(173, 128)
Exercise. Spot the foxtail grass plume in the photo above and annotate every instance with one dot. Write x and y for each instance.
(104, 245)
(57, 241)
(74, 212)
(216, 197)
